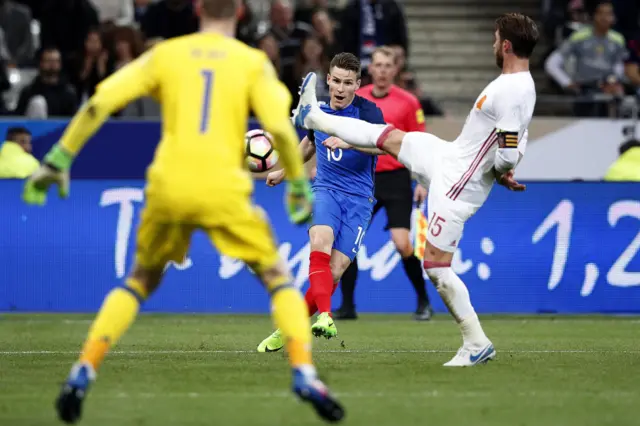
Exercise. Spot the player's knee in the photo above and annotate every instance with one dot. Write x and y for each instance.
(404, 247)
(321, 239)
(148, 279)
(402, 241)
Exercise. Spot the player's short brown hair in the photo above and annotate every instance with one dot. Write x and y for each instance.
(219, 9)
(520, 30)
(386, 51)
(346, 61)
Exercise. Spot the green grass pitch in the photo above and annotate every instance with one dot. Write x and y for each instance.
(202, 370)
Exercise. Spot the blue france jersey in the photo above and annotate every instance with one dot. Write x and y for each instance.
(347, 171)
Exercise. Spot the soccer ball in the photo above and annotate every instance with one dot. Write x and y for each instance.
(259, 152)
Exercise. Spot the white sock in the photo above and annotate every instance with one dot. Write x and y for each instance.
(308, 370)
(472, 332)
(456, 296)
(351, 130)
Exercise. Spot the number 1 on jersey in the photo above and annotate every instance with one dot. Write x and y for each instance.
(206, 99)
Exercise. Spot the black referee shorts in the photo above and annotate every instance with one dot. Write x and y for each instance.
(395, 194)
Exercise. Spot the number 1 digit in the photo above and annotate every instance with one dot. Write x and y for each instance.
(359, 239)
(206, 101)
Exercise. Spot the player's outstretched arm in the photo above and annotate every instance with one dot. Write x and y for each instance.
(307, 150)
(131, 82)
(271, 102)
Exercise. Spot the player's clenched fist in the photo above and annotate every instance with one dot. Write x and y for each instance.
(334, 143)
(275, 178)
(299, 201)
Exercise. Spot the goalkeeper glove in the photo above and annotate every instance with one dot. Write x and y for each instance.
(299, 201)
(54, 170)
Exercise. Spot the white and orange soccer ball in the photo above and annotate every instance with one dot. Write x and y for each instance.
(259, 152)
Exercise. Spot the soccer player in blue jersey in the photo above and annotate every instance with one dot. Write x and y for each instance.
(344, 201)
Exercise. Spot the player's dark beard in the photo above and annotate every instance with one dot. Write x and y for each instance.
(499, 60)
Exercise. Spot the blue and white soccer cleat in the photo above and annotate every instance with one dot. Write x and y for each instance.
(310, 389)
(468, 357)
(73, 392)
(307, 101)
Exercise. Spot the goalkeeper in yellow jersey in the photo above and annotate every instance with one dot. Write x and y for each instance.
(207, 83)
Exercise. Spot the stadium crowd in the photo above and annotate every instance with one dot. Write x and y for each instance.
(53, 53)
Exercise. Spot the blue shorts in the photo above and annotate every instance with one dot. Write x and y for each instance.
(348, 216)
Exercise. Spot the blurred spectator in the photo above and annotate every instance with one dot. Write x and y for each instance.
(562, 18)
(632, 65)
(268, 44)
(577, 19)
(91, 67)
(627, 167)
(120, 12)
(65, 25)
(128, 46)
(367, 24)
(324, 27)
(140, 9)
(15, 21)
(306, 9)
(598, 52)
(246, 29)
(169, 18)
(311, 58)
(289, 35)
(16, 161)
(49, 95)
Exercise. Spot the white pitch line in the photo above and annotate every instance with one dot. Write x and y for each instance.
(389, 395)
(393, 318)
(347, 351)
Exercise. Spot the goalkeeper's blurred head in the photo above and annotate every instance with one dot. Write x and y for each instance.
(219, 9)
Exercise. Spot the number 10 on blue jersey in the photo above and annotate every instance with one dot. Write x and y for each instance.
(208, 77)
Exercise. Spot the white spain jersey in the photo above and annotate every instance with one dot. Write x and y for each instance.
(506, 104)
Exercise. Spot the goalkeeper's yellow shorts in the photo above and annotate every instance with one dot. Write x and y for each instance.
(240, 231)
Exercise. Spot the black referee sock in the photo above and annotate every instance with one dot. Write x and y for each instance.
(413, 269)
(348, 285)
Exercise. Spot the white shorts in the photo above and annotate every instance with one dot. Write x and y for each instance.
(423, 154)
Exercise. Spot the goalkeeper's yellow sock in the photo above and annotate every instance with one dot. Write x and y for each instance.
(291, 316)
(117, 313)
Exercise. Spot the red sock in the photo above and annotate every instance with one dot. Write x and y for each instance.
(321, 280)
(311, 302)
(310, 299)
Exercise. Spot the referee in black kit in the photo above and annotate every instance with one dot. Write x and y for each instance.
(392, 182)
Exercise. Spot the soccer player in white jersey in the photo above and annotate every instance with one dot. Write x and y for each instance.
(459, 174)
